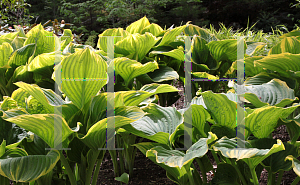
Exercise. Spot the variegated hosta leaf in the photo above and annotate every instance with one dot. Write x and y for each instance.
(174, 173)
(46, 42)
(164, 73)
(28, 168)
(175, 53)
(96, 135)
(118, 32)
(284, 63)
(287, 45)
(71, 48)
(262, 121)
(134, 98)
(250, 70)
(129, 69)
(275, 92)
(204, 75)
(197, 116)
(201, 54)
(8, 103)
(138, 26)
(224, 49)
(5, 51)
(291, 34)
(153, 28)
(46, 126)
(252, 47)
(231, 148)
(295, 164)
(276, 161)
(21, 56)
(158, 125)
(66, 38)
(136, 46)
(222, 110)
(171, 35)
(176, 158)
(83, 74)
(46, 97)
(192, 30)
(43, 64)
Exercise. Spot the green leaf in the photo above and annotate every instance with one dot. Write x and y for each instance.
(45, 41)
(252, 47)
(123, 178)
(295, 164)
(282, 63)
(96, 135)
(5, 52)
(67, 37)
(223, 50)
(175, 158)
(158, 124)
(192, 30)
(171, 35)
(43, 64)
(136, 46)
(46, 126)
(174, 173)
(134, 98)
(262, 121)
(230, 148)
(164, 73)
(204, 75)
(21, 56)
(28, 168)
(175, 53)
(222, 110)
(129, 69)
(291, 34)
(276, 161)
(202, 55)
(37, 93)
(138, 26)
(250, 70)
(197, 116)
(153, 28)
(118, 32)
(275, 92)
(287, 45)
(83, 75)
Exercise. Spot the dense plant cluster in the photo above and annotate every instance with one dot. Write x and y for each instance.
(54, 103)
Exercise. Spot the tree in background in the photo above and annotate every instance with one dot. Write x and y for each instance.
(14, 12)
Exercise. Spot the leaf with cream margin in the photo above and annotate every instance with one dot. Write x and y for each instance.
(262, 121)
(136, 46)
(5, 52)
(175, 158)
(129, 69)
(231, 148)
(28, 168)
(158, 124)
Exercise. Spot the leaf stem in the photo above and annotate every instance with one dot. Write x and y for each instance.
(234, 164)
(96, 172)
(203, 172)
(91, 166)
(279, 177)
(254, 176)
(68, 168)
(295, 182)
